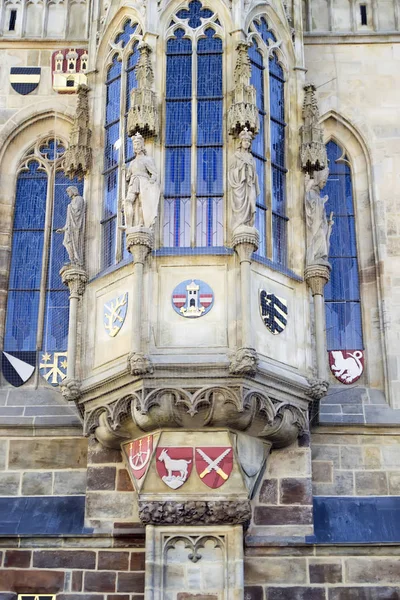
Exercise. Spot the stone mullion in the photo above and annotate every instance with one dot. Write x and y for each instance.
(121, 160)
(193, 159)
(267, 155)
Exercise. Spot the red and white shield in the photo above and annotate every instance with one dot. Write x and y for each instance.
(174, 465)
(206, 300)
(346, 365)
(139, 453)
(214, 464)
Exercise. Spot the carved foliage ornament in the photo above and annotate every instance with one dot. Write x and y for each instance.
(195, 512)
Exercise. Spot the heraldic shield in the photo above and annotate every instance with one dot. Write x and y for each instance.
(139, 453)
(214, 465)
(346, 365)
(114, 313)
(174, 465)
(274, 312)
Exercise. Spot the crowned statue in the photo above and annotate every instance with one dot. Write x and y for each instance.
(74, 228)
(143, 195)
(319, 227)
(243, 181)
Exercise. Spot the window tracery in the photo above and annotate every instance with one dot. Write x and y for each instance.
(193, 194)
(37, 302)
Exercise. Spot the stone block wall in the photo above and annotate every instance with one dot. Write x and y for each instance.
(346, 463)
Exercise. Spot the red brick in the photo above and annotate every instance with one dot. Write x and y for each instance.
(67, 559)
(296, 491)
(117, 561)
(298, 593)
(101, 478)
(138, 561)
(130, 582)
(76, 582)
(283, 515)
(124, 483)
(80, 597)
(30, 581)
(117, 597)
(103, 581)
(18, 558)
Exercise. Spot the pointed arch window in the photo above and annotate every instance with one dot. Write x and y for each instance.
(118, 149)
(37, 302)
(342, 293)
(193, 193)
(269, 146)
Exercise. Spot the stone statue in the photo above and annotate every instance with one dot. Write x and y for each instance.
(243, 181)
(319, 228)
(143, 195)
(74, 228)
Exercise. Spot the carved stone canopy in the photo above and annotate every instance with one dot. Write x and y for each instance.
(313, 151)
(243, 111)
(143, 113)
(78, 157)
(237, 407)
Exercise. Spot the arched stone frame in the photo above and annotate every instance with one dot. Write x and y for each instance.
(106, 51)
(344, 134)
(220, 22)
(18, 135)
(285, 52)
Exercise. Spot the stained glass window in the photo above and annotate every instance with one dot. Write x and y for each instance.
(37, 301)
(193, 206)
(342, 293)
(118, 150)
(269, 145)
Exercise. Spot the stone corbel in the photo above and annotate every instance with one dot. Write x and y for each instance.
(243, 111)
(78, 157)
(143, 113)
(75, 278)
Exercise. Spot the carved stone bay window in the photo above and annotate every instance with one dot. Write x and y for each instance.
(120, 80)
(193, 193)
(267, 76)
(37, 316)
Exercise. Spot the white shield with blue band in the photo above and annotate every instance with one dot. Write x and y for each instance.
(24, 79)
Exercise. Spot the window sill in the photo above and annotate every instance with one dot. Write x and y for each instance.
(276, 267)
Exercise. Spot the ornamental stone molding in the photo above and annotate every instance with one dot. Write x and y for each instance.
(318, 388)
(244, 362)
(195, 512)
(317, 276)
(78, 157)
(139, 364)
(143, 113)
(243, 111)
(245, 241)
(238, 408)
(71, 389)
(75, 277)
(139, 242)
(313, 151)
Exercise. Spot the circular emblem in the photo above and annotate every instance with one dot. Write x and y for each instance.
(192, 298)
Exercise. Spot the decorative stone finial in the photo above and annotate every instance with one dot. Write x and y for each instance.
(313, 152)
(243, 111)
(78, 157)
(143, 114)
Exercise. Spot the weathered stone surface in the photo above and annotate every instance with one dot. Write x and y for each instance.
(295, 491)
(97, 454)
(101, 478)
(103, 581)
(391, 456)
(124, 483)
(253, 592)
(282, 515)
(9, 484)
(17, 558)
(351, 457)
(288, 463)
(138, 560)
(371, 483)
(3, 453)
(118, 561)
(325, 572)
(69, 483)
(269, 492)
(279, 570)
(76, 581)
(343, 485)
(394, 483)
(130, 582)
(295, 593)
(373, 570)
(364, 593)
(109, 505)
(326, 453)
(37, 484)
(66, 559)
(45, 453)
(31, 581)
(372, 457)
(322, 471)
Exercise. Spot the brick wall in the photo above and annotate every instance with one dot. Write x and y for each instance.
(74, 573)
(347, 463)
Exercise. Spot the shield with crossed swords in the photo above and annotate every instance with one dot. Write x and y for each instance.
(214, 465)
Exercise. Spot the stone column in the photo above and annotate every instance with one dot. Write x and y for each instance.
(75, 278)
(139, 242)
(245, 241)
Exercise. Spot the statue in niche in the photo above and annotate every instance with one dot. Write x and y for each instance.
(143, 195)
(243, 181)
(319, 227)
(74, 228)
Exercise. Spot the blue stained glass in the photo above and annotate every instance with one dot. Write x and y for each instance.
(260, 167)
(113, 101)
(30, 203)
(177, 172)
(115, 69)
(209, 122)
(53, 149)
(26, 261)
(257, 79)
(277, 144)
(209, 43)
(22, 319)
(56, 321)
(343, 326)
(343, 238)
(195, 14)
(258, 145)
(109, 230)
(179, 123)
(110, 193)
(279, 242)
(278, 191)
(179, 44)
(343, 284)
(260, 225)
(209, 226)
(209, 75)
(209, 171)
(58, 258)
(111, 154)
(131, 84)
(255, 55)
(179, 76)
(126, 33)
(263, 30)
(277, 106)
